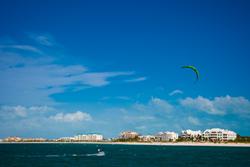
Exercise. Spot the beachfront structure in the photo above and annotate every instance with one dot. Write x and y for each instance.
(129, 135)
(12, 139)
(190, 134)
(18, 139)
(147, 138)
(65, 139)
(216, 134)
(34, 140)
(89, 137)
(166, 136)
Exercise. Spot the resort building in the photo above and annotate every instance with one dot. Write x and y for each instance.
(12, 139)
(89, 137)
(166, 136)
(129, 135)
(217, 134)
(147, 138)
(190, 134)
(65, 139)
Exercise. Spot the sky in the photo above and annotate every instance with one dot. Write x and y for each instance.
(74, 67)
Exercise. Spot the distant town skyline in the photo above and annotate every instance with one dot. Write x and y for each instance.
(105, 67)
(209, 135)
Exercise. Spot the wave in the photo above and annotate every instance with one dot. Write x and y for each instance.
(52, 156)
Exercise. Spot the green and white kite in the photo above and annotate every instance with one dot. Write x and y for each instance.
(194, 69)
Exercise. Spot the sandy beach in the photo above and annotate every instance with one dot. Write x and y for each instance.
(192, 144)
(146, 144)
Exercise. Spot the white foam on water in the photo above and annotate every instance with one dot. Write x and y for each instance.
(52, 156)
(99, 154)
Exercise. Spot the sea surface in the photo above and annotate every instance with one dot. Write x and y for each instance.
(86, 155)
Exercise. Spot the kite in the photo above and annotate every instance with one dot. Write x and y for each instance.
(195, 70)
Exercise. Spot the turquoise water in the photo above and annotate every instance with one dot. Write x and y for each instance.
(74, 155)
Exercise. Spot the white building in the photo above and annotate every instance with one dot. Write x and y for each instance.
(12, 139)
(167, 136)
(147, 138)
(129, 135)
(191, 134)
(89, 137)
(219, 134)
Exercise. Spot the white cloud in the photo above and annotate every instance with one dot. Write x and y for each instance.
(140, 107)
(22, 47)
(194, 121)
(218, 105)
(116, 97)
(141, 127)
(202, 104)
(155, 105)
(160, 105)
(38, 77)
(123, 97)
(41, 120)
(99, 79)
(175, 92)
(44, 39)
(72, 117)
(139, 118)
(136, 79)
(9, 112)
(14, 110)
(41, 109)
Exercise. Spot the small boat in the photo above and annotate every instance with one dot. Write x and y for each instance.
(99, 154)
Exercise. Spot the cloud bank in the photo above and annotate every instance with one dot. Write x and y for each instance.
(218, 105)
(72, 117)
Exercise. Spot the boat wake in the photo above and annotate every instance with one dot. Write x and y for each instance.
(99, 154)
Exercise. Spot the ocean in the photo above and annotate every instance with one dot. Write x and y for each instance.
(86, 155)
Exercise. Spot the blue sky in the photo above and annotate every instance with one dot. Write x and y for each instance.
(95, 66)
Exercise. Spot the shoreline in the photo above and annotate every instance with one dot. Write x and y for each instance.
(146, 144)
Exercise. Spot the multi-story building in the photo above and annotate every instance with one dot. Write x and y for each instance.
(147, 138)
(89, 137)
(12, 139)
(81, 138)
(95, 137)
(66, 139)
(129, 135)
(167, 136)
(217, 134)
